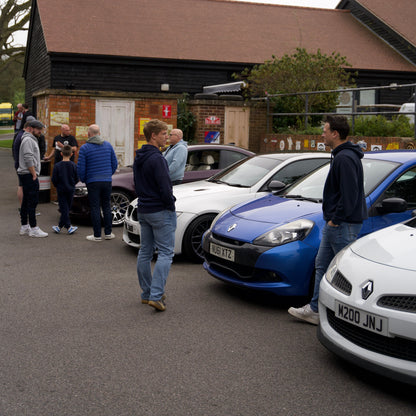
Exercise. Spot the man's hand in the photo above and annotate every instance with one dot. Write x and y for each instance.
(331, 224)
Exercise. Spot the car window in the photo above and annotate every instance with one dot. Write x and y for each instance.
(297, 170)
(312, 186)
(404, 187)
(202, 160)
(228, 157)
(249, 172)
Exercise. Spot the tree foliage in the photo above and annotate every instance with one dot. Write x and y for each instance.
(14, 16)
(300, 72)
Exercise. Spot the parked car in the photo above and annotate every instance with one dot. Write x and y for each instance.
(367, 303)
(203, 161)
(270, 243)
(198, 203)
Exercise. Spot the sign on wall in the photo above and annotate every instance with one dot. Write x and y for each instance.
(167, 111)
(212, 120)
(212, 137)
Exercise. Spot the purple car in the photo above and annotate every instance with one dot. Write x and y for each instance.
(203, 161)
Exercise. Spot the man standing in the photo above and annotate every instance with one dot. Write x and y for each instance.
(344, 207)
(156, 214)
(26, 114)
(60, 141)
(176, 155)
(28, 171)
(17, 119)
(97, 163)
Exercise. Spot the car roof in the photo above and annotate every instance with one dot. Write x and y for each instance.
(207, 146)
(303, 155)
(400, 156)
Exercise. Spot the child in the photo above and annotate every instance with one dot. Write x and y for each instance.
(64, 177)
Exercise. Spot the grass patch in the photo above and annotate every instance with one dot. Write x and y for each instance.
(8, 131)
(6, 144)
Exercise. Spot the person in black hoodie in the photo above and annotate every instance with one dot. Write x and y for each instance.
(156, 214)
(344, 207)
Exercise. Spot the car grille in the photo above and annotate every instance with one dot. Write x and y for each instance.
(393, 347)
(398, 303)
(341, 283)
(228, 240)
(240, 272)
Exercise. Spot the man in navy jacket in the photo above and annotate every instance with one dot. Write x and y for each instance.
(156, 214)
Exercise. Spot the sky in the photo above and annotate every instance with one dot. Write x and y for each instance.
(324, 4)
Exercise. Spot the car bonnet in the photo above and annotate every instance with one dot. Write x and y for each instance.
(393, 246)
(247, 221)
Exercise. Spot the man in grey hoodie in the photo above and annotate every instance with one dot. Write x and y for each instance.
(28, 171)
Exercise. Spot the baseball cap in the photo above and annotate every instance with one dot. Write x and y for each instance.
(36, 124)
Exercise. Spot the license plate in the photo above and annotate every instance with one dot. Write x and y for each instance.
(222, 252)
(362, 319)
(129, 228)
(132, 228)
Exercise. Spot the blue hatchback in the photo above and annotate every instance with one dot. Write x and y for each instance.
(271, 243)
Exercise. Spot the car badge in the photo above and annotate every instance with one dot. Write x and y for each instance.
(367, 289)
(231, 227)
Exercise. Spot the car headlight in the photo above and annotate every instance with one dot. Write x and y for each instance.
(296, 230)
(81, 191)
(332, 269)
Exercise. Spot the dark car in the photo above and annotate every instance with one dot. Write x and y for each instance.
(203, 161)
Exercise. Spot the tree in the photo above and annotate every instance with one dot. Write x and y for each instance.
(300, 72)
(13, 18)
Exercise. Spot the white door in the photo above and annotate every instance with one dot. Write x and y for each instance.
(116, 121)
(237, 121)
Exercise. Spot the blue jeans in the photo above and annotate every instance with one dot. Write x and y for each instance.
(157, 229)
(30, 199)
(99, 196)
(334, 239)
(65, 203)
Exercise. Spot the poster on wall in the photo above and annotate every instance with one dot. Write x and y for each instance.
(81, 132)
(212, 137)
(167, 111)
(59, 117)
(142, 122)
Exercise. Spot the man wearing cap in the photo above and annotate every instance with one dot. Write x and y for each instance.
(28, 171)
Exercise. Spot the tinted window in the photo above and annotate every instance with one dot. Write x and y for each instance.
(228, 157)
(404, 187)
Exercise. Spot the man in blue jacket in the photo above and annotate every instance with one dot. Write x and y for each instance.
(344, 207)
(97, 163)
(156, 214)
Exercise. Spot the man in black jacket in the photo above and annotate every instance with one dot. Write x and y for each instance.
(156, 214)
(344, 207)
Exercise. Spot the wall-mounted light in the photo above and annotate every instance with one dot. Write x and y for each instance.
(164, 87)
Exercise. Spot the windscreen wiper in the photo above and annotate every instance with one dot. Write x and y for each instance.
(304, 198)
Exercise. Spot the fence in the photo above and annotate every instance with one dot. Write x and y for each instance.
(355, 108)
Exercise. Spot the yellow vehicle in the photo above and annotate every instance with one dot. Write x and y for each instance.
(6, 113)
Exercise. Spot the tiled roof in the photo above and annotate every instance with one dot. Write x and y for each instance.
(210, 30)
(398, 14)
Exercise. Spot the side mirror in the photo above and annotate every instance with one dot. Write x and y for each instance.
(390, 205)
(276, 186)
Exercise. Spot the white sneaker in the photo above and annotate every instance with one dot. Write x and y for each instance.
(109, 236)
(92, 238)
(305, 313)
(37, 232)
(24, 229)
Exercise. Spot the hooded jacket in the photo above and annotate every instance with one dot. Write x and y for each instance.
(151, 180)
(29, 154)
(343, 198)
(97, 161)
(176, 157)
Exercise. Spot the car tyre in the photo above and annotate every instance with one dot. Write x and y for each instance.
(120, 201)
(191, 245)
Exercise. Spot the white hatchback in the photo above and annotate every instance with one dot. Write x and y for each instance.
(367, 302)
(198, 203)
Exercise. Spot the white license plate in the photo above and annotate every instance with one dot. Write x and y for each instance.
(222, 252)
(131, 228)
(360, 318)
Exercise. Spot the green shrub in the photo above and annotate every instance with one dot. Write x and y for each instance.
(379, 126)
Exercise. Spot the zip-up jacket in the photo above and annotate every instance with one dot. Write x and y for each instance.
(29, 154)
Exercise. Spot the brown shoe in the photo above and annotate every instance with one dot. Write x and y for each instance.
(157, 304)
(146, 301)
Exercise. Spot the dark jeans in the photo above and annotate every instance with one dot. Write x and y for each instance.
(30, 199)
(65, 202)
(99, 195)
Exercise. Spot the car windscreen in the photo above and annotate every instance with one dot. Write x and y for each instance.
(248, 173)
(375, 171)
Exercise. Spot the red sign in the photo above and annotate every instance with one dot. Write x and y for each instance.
(212, 120)
(167, 111)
